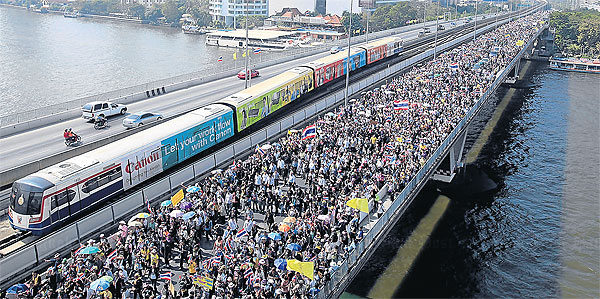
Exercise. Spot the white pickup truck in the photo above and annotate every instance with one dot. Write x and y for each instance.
(106, 109)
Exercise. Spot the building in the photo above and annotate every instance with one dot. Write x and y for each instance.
(228, 10)
(321, 7)
(292, 19)
(148, 3)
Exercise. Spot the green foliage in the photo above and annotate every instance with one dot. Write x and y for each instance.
(137, 10)
(357, 22)
(171, 11)
(253, 21)
(577, 32)
(153, 14)
(392, 16)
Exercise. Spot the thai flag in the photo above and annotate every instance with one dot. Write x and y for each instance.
(257, 51)
(389, 146)
(309, 132)
(205, 264)
(215, 261)
(325, 197)
(233, 166)
(220, 59)
(166, 276)
(111, 256)
(148, 206)
(401, 105)
(228, 257)
(388, 118)
(341, 113)
(242, 232)
(313, 259)
(454, 66)
(388, 157)
(80, 276)
(79, 249)
(248, 273)
(259, 150)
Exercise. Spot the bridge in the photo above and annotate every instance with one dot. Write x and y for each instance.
(442, 165)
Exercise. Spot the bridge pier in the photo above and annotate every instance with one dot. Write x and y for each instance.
(453, 160)
(513, 75)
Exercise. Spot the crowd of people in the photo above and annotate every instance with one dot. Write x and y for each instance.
(231, 245)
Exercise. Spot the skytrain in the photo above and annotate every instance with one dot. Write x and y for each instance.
(44, 200)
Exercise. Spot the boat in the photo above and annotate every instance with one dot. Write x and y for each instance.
(71, 14)
(581, 65)
(193, 29)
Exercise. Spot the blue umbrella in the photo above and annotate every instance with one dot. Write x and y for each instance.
(192, 189)
(275, 236)
(188, 215)
(90, 250)
(294, 246)
(17, 289)
(314, 291)
(280, 264)
(165, 203)
(99, 285)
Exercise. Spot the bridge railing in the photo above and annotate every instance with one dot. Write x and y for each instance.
(402, 200)
(137, 92)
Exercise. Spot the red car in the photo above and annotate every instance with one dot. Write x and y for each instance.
(253, 74)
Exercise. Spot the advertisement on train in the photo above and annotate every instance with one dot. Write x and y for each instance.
(142, 165)
(190, 142)
(263, 105)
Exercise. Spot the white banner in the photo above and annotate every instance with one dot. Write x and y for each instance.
(142, 165)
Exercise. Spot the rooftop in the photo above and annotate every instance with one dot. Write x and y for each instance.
(253, 34)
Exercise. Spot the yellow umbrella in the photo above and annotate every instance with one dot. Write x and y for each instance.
(289, 220)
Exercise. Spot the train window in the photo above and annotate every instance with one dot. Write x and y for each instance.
(53, 204)
(115, 174)
(90, 185)
(35, 203)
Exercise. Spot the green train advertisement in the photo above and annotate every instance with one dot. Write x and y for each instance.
(261, 106)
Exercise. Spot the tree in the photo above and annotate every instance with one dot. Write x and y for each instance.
(357, 22)
(153, 14)
(170, 10)
(577, 32)
(253, 21)
(137, 10)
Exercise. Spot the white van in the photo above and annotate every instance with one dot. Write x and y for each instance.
(106, 109)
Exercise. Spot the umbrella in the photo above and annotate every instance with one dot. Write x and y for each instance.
(294, 247)
(188, 215)
(216, 171)
(90, 250)
(17, 289)
(275, 236)
(266, 147)
(107, 278)
(99, 285)
(323, 217)
(176, 213)
(186, 205)
(280, 264)
(361, 113)
(352, 100)
(140, 216)
(284, 228)
(330, 114)
(134, 223)
(289, 219)
(380, 106)
(165, 203)
(192, 189)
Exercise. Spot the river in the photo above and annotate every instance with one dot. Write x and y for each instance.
(48, 59)
(535, 236)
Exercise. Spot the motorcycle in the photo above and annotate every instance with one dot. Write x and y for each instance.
(100, 125)
(73, 140)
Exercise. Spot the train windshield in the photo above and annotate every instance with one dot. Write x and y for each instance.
(25, 202)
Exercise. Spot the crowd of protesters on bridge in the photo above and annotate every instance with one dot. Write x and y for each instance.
(224, 240)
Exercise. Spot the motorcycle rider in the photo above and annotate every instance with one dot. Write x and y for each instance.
(71, 135)
(100, 120)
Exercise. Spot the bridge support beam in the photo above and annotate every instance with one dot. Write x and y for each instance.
(453, 160)
(513, 75)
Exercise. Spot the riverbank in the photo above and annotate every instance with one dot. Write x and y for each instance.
(82, 15)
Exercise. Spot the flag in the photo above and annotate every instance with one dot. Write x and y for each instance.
(305, 268)
(341, 113)
(148, 206)
(228, 257)
(80, 276)
(206, 282)
(454, 66)
(234, 56)
(389, 146)
(175, 199)
(242, 232)
(244, 54)
(79, 249)
(520, 43)
(248, 273)
(215, 261)
(360, 204)
(309, 132)
(259, 150)
(357, 31)
(220, 59)
(166, 276)
(233, 166)
(257, 51)
(111, 256)
(400, 105)
(388, 118)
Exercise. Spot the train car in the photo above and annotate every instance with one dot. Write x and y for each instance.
(257, 102)
(45, 199)
(333, 66)
(383, 48)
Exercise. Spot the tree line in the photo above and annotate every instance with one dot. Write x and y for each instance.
(577, 33)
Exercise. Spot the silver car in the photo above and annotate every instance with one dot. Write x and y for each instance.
(138, 119)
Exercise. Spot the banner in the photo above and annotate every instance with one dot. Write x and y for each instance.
(140, 166)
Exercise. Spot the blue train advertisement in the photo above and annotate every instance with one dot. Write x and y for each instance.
(190, 142)
(357, 60)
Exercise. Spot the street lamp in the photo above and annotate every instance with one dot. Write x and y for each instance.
(475, 23)
(246, 53)
(348, 59)
(437, 26)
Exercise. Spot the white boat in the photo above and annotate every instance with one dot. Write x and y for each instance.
(575, 65)
(71, 14)
(193, 29)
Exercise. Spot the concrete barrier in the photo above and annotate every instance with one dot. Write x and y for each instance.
(157, 189)
(182, 176)
(14, 263)
(48, 246)
(273, 129)
(224, 155)
(299, 116)
(258, 137)
(131, 202)
(287, 123)
(91, 223)
(204, 165)
(241, 146)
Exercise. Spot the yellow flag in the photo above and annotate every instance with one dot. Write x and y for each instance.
(305, 268)
(175, 199)
(357, 31)
(520, 42)
(244, 54)
(172, 288)
(361, 204)
(234, 56)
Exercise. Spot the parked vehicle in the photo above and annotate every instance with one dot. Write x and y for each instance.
(106, 109)
(335, 50)
(426, 30)
(135, 120)
(441, 27)
(253, 74)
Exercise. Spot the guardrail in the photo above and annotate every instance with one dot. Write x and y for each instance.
(46, 115)
(399, 204)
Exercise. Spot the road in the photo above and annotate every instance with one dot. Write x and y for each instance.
(37, 144)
